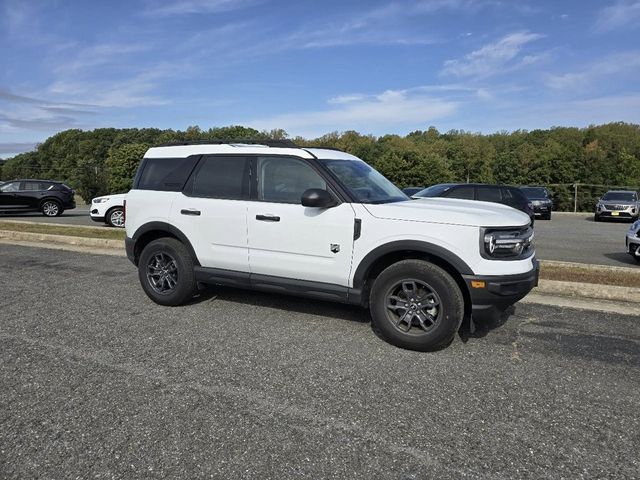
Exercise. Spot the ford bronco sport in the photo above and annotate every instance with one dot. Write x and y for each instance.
(322, 223)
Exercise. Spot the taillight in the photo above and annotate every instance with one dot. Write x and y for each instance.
(124, 211)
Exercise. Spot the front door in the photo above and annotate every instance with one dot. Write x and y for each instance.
(10, 196)
(291, 241)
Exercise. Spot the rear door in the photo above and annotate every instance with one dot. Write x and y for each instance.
(31, 193)
(290, 241)
(212, 211)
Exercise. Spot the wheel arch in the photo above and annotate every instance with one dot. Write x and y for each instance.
(385, 255)
(154, 230)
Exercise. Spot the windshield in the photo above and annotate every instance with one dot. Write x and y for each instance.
(620, 196)
(434, 190)
(535, 192)
(364, 183)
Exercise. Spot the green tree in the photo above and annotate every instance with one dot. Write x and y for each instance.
(122, 164)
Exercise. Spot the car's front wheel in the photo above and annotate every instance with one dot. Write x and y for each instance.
(115, 217)
(165, 270)
(51, 208)
(416, 305)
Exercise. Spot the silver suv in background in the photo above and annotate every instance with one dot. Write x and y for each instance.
(618, 204)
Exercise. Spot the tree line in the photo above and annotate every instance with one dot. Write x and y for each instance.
(105, 160)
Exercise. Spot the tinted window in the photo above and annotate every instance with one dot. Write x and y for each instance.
(535, 192)
(165, 174)
(465, 192)
(489, 194)
(10, 187)
(33, 186)
(621, 196)
(222, 177)
(434, 190)
(284, 180)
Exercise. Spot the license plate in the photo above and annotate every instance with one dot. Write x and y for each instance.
(615, 214)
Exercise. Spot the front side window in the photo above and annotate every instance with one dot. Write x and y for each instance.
(10, 187)
(364, 183)
(222, 177)
(284, 180)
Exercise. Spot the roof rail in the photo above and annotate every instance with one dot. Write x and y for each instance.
(238, 141)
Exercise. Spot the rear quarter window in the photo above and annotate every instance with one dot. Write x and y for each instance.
(165, 174)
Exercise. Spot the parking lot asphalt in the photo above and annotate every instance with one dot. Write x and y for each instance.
(97, 381)
(577, 238)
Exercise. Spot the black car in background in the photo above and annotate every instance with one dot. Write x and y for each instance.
(541, 200)
(30, 195)
(505, 194)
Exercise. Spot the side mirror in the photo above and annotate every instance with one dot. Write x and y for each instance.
(318, 198)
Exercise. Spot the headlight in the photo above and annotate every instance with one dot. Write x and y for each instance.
(100, 199)
(507, 244)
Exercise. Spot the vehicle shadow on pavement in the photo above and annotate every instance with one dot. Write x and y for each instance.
(621, 257)
(287, 303)
(480, 327)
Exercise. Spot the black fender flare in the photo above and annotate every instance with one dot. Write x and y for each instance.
(168, 228)
(407, 245)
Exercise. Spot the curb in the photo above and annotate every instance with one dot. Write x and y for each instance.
(101, 243)
(588, 290)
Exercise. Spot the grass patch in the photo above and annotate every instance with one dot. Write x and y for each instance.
(85, 232)
(588, 275)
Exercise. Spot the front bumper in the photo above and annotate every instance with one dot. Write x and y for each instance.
(632, 242)
(495, 293)
(629, 212)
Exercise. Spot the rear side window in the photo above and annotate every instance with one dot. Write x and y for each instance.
(466, 192)
(221, 177)
(514, 196)
(165, 174)
(489, 194)
(32, 186)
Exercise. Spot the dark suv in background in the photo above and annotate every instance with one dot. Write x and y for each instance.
(46, 196)
(541, 200)
(505, 194)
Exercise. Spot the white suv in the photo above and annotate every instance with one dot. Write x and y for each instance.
(322, 223)
(108, 209)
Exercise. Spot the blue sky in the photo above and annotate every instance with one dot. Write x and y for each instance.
(313, 67)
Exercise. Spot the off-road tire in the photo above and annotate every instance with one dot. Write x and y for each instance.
(185, 281)
(450, 312)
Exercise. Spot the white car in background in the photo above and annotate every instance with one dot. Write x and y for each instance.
(108, 209)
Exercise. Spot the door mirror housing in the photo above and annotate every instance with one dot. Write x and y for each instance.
(318, 198)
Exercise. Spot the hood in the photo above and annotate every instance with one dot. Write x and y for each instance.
(451, 211)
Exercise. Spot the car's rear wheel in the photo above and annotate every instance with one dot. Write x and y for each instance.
(115, 217)
(51, 208)
(165, 270)
(416, 305)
